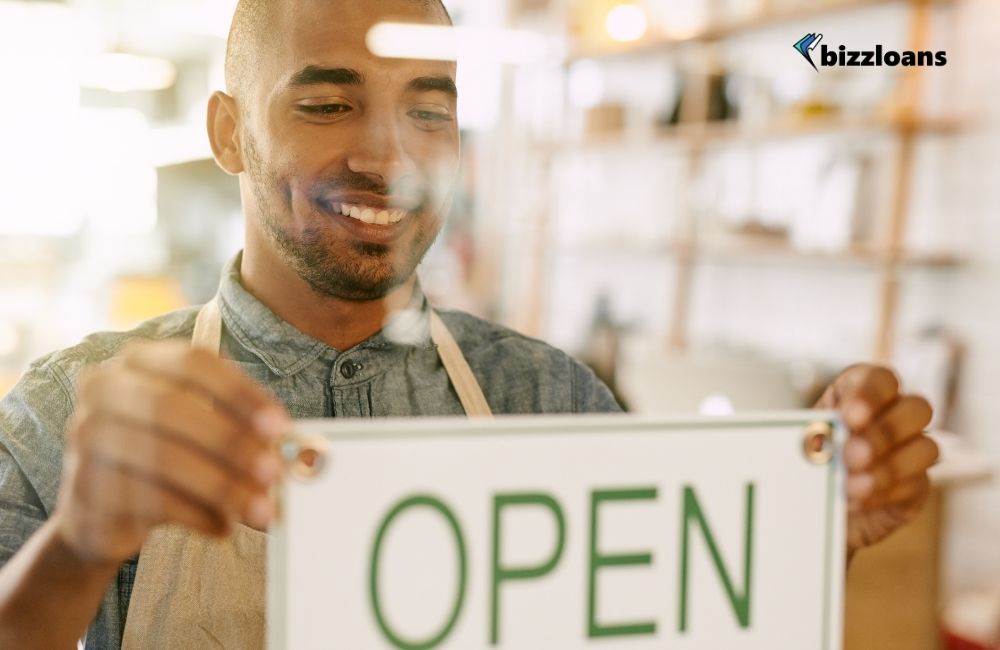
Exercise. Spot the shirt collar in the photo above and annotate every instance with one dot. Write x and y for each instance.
(286, 350)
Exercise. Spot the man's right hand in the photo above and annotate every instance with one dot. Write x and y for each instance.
(165, 433)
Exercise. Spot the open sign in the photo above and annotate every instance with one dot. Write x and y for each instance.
(568, 532)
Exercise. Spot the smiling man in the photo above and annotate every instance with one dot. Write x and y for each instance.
(346, 164)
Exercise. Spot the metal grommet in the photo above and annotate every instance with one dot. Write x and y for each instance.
(305, 458)
(817, 444)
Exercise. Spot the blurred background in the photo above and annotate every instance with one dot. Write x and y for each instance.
(664, 188)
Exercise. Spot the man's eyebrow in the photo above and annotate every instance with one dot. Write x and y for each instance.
(442, 84)
(312, 75)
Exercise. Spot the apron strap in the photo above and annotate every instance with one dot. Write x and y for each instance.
(208, 327)
(459, 372)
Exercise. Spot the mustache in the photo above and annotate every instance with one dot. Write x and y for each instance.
(353, 182)
(326, 187)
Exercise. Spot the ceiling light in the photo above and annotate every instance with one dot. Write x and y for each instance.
(443, 43)
(626, 23)
(122, 73)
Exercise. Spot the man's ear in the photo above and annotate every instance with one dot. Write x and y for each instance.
(223, 132)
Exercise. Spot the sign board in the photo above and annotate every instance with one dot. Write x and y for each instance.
(561, 533)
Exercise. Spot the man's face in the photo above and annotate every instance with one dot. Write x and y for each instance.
(350, 158)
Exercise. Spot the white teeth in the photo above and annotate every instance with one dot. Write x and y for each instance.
(371, 215)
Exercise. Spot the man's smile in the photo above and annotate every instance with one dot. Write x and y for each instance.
(369, 208)
(377, 221)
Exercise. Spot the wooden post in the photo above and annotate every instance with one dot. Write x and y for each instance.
(693, 111)
(892, 257)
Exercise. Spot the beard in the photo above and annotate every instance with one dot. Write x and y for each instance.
(334, 266)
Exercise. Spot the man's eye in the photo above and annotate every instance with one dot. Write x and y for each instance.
(324, 109)
(430, 115)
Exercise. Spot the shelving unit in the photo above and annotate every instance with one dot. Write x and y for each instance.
(887, 259)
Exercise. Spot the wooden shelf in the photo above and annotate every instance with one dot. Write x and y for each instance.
(709, 132)
(764, 20)
(791, 128)
(761, 250)
(785, 252)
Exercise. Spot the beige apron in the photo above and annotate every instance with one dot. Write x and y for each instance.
(193, 591)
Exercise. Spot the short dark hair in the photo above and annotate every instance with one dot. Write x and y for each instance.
(249, 23)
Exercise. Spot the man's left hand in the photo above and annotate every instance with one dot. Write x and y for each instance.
(887, 454)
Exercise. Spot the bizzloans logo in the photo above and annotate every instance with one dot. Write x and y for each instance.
(878, 57)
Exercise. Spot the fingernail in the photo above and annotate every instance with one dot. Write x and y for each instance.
(858, 453)
(260, 511)
(857, 413)
(267, 468)
(271, 423)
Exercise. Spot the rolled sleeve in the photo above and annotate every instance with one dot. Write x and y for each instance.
(32, 418)
(21, 511)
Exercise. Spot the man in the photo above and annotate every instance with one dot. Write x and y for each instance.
(346, 164)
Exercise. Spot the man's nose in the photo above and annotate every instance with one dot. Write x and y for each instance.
(380, 150)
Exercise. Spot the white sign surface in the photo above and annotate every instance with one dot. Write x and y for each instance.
(562, 533)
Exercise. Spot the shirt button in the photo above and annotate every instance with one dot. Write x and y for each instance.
(349, 369)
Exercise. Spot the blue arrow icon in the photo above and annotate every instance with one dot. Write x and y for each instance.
(806, 45)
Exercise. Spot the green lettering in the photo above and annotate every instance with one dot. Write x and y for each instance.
(597, 561)
(739, 602)
(502, 573)
(383, 625)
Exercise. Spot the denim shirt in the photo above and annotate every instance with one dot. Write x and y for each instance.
(396, 372)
